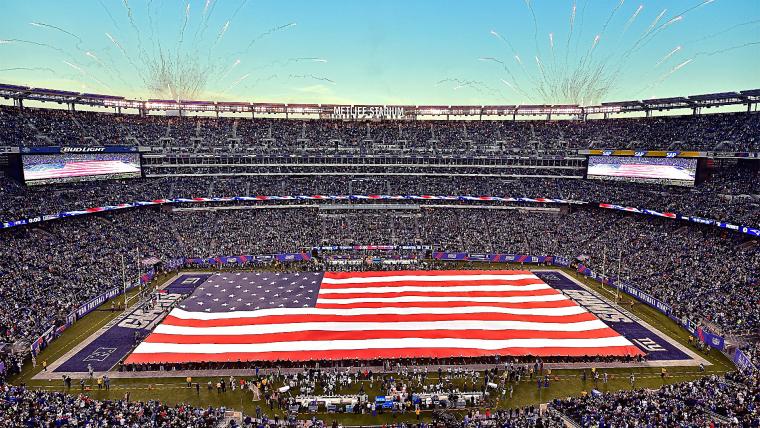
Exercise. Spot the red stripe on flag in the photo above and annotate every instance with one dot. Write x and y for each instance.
(451, 283)
(373, 354)
(412, 273)
(542, 292)
(389, 318)
(321, 335)
(523, 305)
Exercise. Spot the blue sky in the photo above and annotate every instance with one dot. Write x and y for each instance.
(388, 52)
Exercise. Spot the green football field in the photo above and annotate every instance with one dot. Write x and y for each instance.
(563, 383)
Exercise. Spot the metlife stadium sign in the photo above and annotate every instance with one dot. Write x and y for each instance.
(368, 112)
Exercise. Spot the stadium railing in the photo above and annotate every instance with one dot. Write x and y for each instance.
(748, 230)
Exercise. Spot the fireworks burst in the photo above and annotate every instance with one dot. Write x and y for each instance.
(590, 66)
(188, 62)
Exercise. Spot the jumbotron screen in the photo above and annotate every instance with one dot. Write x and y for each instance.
(67, 167)
(673, 171)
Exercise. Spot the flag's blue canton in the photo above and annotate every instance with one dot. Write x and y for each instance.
(249, 291)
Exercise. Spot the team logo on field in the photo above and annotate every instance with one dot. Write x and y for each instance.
(648, 345)
(100, 354)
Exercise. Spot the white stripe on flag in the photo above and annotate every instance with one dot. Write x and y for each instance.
(191, 315)
(426, 278)
(449, 289)
(513, 299)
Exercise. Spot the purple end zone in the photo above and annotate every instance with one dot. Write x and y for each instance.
(118, 341)
(186, 284)
(656, 347)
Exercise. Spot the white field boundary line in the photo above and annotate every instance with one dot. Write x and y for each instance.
(180, 375)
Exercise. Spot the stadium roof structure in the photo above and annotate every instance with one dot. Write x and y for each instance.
(752, 94)
(695, 102)
(666, 103)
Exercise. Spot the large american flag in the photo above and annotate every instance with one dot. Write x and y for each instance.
(367, 315)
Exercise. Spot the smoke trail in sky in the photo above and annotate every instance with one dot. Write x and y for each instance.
(184, 22)
(95, 58)
(42, 24)
(229, 70)
(728, 49)
(312, 77)
(30, 42)
(46, 69)
(267, 33)
(633, 18)
(668, 55)
(592, 66)
(86, 74)
(169, 65)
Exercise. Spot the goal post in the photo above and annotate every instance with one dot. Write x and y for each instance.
(127, 299)
(130, 300)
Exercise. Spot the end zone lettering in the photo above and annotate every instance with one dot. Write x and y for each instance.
(143, 319)
(597, 306)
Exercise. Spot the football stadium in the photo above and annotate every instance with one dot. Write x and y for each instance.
(512, 214)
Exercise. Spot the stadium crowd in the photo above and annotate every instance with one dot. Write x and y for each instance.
(714, 132)
(22, 407)
(733, 194)
(708, 275)
(49, 270)
(733, 401)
